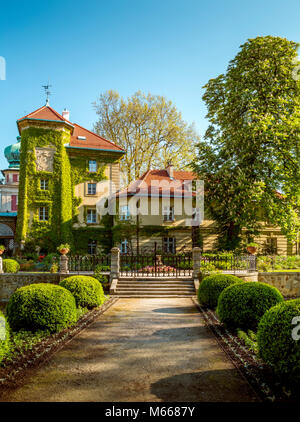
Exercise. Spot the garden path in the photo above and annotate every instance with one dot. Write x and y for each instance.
(139, 350)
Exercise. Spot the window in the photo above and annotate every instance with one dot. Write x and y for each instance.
(44, 184)
(7, 178)
(168, 213)
(91, 216)
(15, 178)
(271, 245)
(169, 244)
(43, 214)
(124, 246)
(91, 188)
(14, 203)
(124, 214)
(92, 166)
(92, 247)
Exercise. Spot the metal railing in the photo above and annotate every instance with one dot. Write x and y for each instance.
(78, 263)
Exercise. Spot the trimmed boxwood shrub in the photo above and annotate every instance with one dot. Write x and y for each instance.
(242, 305)
(275, 342)
(212, 286)
(10, 266)
(41, 307)
(88, 291)
(4, 336)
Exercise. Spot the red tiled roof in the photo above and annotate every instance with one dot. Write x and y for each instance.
(44, 113)
(92, 140)
(158, 183)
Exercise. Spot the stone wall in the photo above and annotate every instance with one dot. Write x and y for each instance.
(287, 282)
(10, 282)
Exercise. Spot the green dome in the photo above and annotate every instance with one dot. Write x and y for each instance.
(12, 154)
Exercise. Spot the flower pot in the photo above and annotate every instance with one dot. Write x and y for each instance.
(251, 249)
(1, 252)
(64, 251)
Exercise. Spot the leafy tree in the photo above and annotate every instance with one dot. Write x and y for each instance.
(250, 150)
(149, 128)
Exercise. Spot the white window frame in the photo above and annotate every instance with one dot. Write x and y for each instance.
(91, 212)
(43, 213)
(124, 212)
(92, 166)
(44, 184)
(91, 191)
(124, 246)
(168, 213)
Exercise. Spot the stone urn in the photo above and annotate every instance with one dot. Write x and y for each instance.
(251, 249)
(64, 251)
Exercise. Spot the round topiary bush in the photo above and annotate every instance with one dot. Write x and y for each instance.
(41, 307)
(278, 339)
(10, 266)
(242, 305)
(212, 286)
(88, 291)
(4, 336)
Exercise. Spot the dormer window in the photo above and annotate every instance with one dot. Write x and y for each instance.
(92, 166)
(81, 138)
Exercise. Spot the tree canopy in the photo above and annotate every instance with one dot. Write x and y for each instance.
(249, 157)
(149, 128)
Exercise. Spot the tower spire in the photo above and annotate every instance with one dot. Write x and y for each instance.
(47, 92)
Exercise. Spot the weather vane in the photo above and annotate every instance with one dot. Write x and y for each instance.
(47, 92)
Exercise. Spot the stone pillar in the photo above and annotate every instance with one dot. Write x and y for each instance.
(1, 265)
(196, 262)
(63, 264)
(115, 263)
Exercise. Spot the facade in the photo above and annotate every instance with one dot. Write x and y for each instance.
(65, 170)
(165, 203)
(171, 232)
(9, 188)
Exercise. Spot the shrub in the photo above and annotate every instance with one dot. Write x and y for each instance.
(10, 266)
(88, 291)
(4, 337)
(41, 307)
(212, 286)
(275, 342)
(242, 305)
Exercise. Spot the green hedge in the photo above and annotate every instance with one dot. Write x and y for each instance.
(88, 291)
(275, 341)
(242, 305)
(4, 336)
(212, 286)
(41, 307)
(10, 266)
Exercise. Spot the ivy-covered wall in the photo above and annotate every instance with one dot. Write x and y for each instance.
(58, 197)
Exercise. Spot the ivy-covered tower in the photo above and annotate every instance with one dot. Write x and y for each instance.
(57, 179)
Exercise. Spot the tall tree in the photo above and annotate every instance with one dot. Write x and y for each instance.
(251, 147)
(149, 128)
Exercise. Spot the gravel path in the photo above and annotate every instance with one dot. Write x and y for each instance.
(139, 350)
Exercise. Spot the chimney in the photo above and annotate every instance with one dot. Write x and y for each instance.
(66, 114)
(170, 170)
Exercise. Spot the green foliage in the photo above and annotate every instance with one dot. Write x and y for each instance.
(4, 337)
(275, 342)
(23, 341)
(63, 246)
(41, 307)
(88, 292)
(103, 279)
(58, 228)
(2, 248)
(212, 286)
(278, 262)
(242, 305)
(249, 339)
(10, 266)
(251, 146)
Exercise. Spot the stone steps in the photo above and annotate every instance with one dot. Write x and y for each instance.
(155, 288)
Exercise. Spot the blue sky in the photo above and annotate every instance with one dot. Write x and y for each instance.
(166, 47)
